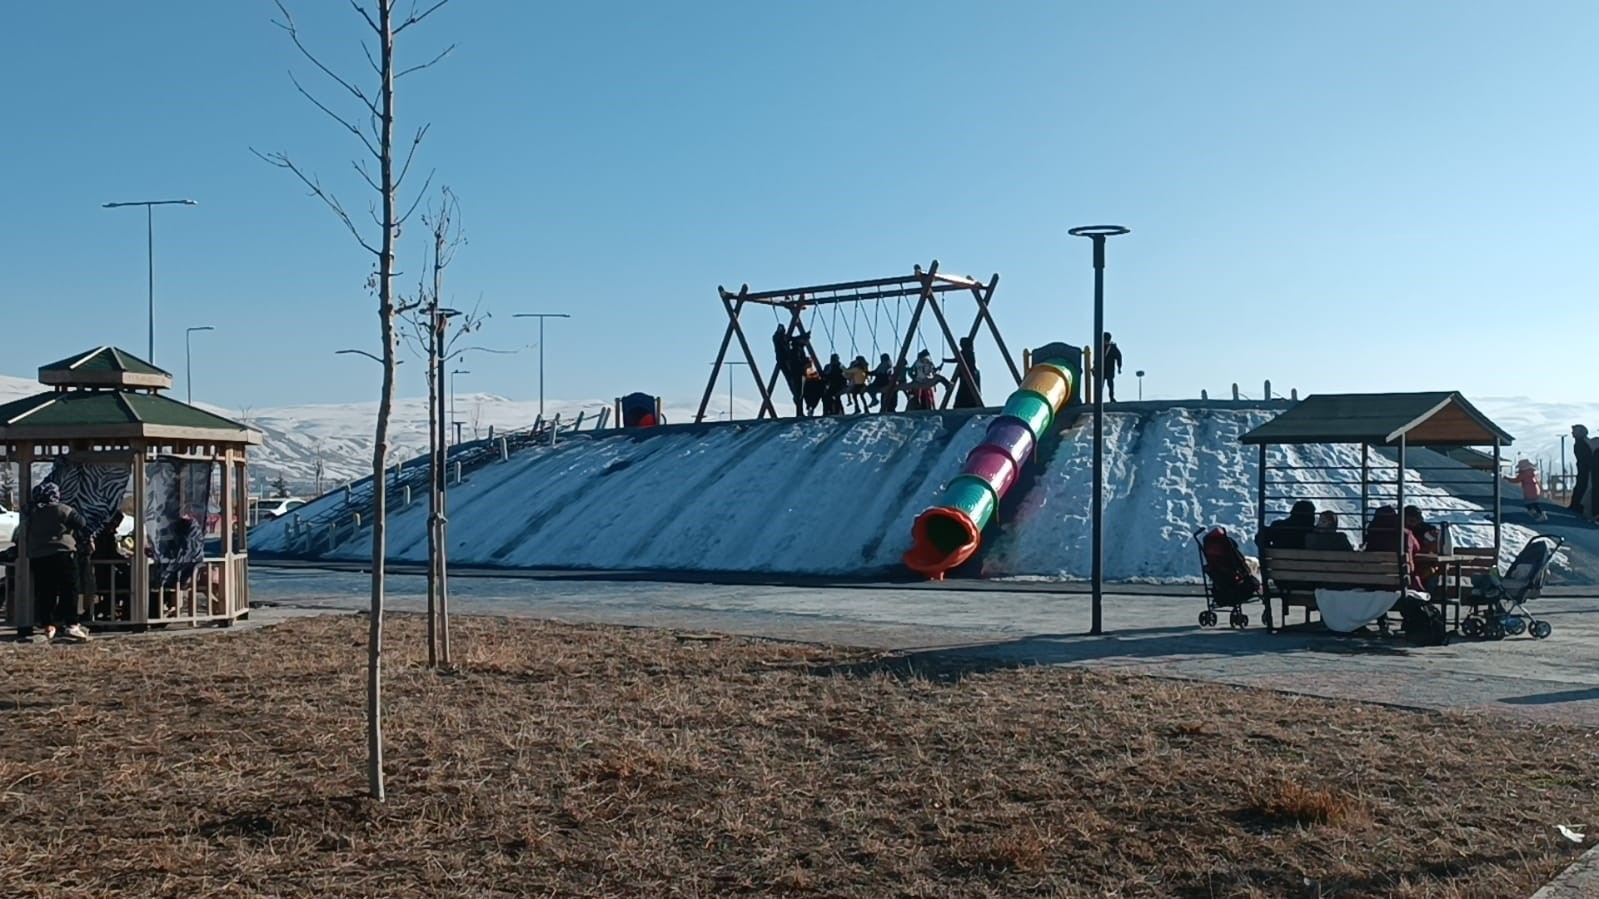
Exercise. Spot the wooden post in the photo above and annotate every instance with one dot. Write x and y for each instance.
(139, 583)
(1499, 510)
(226, 536)
(505, 450)
(721, 351)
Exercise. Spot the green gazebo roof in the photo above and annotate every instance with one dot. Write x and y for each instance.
(105, 366)
(111, 394)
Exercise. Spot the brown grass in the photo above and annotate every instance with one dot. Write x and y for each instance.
(591, 761)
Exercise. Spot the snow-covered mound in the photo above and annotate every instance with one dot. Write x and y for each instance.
(836, 496)
(1173, 471)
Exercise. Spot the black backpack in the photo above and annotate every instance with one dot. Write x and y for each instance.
(1425, 624)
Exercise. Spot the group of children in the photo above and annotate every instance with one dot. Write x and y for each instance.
(865, 386)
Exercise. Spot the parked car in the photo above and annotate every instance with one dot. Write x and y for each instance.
(8, 525)
(268, 508)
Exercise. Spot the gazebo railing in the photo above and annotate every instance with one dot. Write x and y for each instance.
(200, 596)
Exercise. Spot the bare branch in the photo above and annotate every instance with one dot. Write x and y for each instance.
(288, 25)
(414, 203)
(479, 349)
(282, 161)
(411, 154)
(374, 358)
(362, 10)
(376, 69)
(360, 166)
(335, 117)
(415, 18)
(442, 53)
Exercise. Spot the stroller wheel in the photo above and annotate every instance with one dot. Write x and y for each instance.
(1207, 618)
(1514, 626)
(1540, 629)
(1238, 620)
(1471, 628)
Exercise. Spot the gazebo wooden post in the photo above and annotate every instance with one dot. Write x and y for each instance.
(1499, 510)
(22, 610)
(1365, 483)
(1404, 557)
(227, 506)
(139, 565)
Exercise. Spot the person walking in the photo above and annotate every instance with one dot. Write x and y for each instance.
(1110, 359)
(1584, 453)
(966, 392)
(1526, 477)
(51, 530)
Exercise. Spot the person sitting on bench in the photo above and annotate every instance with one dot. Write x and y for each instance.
(1326, 536)
(1290, 532)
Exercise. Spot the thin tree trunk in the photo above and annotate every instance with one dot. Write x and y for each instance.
(380, 449)
(433, 497)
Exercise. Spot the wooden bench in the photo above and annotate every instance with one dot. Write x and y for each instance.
(1292, 575)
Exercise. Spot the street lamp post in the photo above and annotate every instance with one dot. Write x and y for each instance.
(541, 316)
(1140, 375)
(1098, 233)
(188, 359)
(149, 239)
(456, 424)
(730, 386)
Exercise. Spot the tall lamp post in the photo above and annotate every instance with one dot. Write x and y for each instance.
(149, 239)
(188, 359)
(453, 422)
(541, 316)
(1140, 376)
(730, 386)
(1098, 233)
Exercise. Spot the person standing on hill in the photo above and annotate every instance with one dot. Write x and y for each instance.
(1110, 360)
(966, 392)
(1584, 452)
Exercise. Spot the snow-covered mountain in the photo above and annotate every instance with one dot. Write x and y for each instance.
(340, 435)
(295, 438)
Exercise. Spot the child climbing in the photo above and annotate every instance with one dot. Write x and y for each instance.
(856, 375)
(884, 385)
(1527, 476)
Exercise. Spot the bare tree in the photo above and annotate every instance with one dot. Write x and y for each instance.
(374, 106)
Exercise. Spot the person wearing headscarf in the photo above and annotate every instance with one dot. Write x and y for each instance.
(1290, 532)
(50, 531)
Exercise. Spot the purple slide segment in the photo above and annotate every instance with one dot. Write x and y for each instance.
(1012, 436)
(994, 466)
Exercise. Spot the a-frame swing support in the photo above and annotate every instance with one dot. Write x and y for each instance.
(928, 286)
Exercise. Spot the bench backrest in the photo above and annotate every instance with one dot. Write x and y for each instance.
(1330, 568)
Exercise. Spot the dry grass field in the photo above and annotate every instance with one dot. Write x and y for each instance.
(565, 760)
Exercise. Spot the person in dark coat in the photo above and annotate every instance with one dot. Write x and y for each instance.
(966, 394)
(1111, 361)
(1326, 536)
(1290, 532)
(1584, 453)
(833, 382)
(799, 361)
(51, 530)
(1386, 533)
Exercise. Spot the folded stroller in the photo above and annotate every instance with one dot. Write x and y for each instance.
(1230, 581)
(1497, 609)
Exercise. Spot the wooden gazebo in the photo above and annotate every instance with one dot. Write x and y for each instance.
(117, 444)
(1386, 427)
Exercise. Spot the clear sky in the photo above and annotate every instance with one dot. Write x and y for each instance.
(1351, 196)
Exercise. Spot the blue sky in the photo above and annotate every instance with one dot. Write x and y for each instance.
(1355, 196)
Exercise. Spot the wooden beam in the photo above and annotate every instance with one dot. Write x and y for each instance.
(721, 353)
(749, 359)
(960, 360)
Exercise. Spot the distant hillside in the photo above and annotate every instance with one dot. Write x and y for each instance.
(340, 435)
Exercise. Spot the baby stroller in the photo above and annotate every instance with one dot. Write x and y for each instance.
(1497, 609)
(1229, 579)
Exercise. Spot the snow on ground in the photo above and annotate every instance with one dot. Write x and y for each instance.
(836, 496)
(824, 496)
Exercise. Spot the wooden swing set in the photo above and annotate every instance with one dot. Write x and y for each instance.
(928, 288)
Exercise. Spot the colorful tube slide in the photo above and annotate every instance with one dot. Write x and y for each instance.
(949, 533)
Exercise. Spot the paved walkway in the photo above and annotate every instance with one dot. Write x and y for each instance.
(1554, 680)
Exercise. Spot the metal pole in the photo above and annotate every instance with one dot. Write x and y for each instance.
(188, 362)
(541, 366)
(149, 247)
(1098, 233)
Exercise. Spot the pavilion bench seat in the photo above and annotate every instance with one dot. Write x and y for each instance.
(1293, 575)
